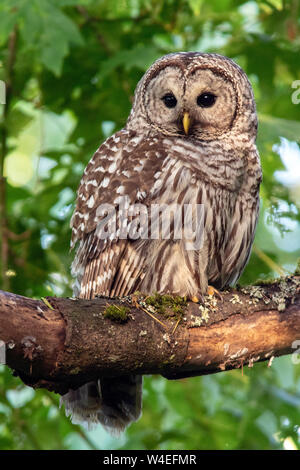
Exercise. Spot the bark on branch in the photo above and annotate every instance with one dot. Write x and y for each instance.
(76, 341)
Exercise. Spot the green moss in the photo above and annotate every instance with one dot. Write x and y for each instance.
(116, 313)
(297, 270)
(265, 282)
(167, 305)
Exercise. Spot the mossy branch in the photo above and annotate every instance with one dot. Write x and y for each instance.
(59, 343)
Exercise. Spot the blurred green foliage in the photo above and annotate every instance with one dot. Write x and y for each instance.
(71, 68)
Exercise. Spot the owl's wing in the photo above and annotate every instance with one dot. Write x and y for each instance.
(240, 240)
(118, 173)
(235, 253)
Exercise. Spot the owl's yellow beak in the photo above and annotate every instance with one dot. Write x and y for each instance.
(186, 122)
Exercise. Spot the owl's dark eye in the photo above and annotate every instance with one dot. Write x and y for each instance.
(206, 100)
(169, 100)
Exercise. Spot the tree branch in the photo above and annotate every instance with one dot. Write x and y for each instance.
(76, 341)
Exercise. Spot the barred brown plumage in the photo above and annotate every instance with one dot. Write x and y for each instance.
(210, 160)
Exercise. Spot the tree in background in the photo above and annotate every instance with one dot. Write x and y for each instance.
(70, 69)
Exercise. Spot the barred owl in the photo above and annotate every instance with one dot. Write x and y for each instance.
(189, 139)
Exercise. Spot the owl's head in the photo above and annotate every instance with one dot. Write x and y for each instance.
(195, 95)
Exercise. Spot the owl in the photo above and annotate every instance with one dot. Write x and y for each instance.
(189, 141)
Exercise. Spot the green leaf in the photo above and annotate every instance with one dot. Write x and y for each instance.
(271, 128)
(138, 57)
(47, 29)
(195, 6)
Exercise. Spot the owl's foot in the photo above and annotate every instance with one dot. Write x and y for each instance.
(211, 291)
(197, 299)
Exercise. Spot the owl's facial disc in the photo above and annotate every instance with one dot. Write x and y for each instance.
(211, 101)
(163, 100)
(199, 105)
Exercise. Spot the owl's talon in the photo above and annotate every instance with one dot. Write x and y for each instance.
(197, 299)
(211, 291)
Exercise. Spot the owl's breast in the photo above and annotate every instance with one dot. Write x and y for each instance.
(217, 164)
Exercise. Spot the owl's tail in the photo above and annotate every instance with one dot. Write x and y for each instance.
(114, 402)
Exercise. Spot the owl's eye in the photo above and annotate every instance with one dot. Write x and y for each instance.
(169, 100)
(206, 100)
